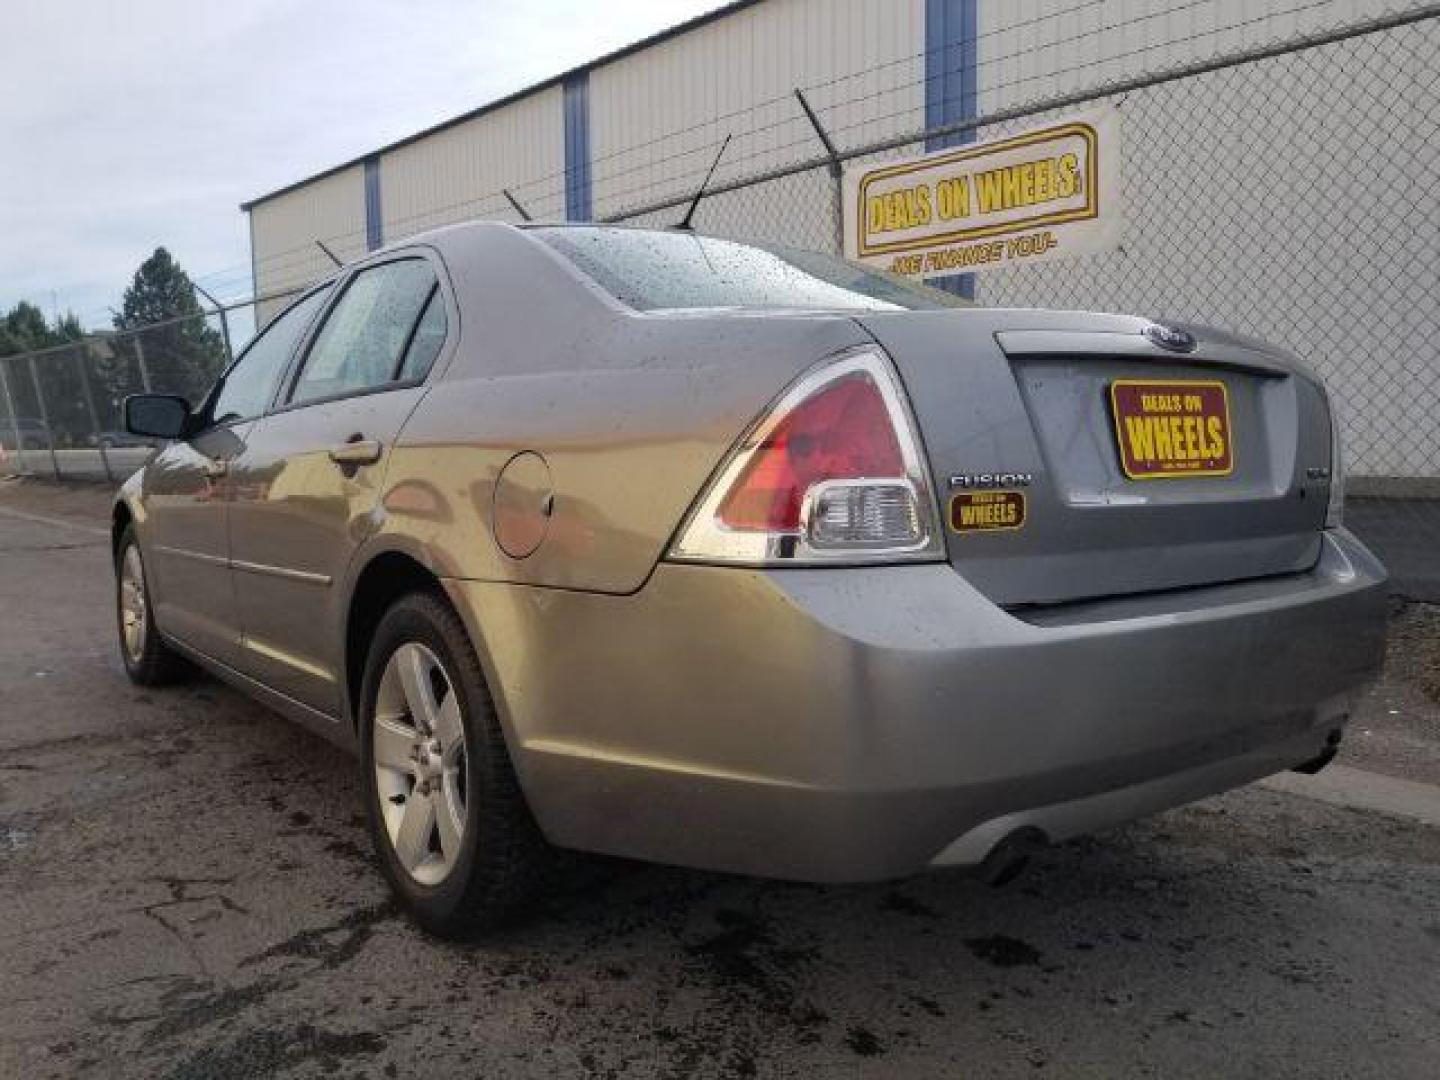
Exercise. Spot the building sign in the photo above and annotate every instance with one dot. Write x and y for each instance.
(1042, 194)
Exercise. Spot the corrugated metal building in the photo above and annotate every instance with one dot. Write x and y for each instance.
(641, 126)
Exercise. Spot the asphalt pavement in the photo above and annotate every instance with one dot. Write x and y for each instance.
(1405, 533)
(187, 891)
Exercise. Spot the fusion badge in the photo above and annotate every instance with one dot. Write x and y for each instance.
(1173, 429)
(987, 511)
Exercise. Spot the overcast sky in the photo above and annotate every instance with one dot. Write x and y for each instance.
(131, 123)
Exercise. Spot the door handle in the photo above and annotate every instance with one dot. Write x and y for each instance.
(357, 451)
(215, 468)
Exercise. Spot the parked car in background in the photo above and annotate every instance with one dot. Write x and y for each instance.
(24, 433)
(125, 440)
(747, 559)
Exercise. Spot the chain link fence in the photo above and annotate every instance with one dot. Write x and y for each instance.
(1292, 199)
(60, 408)
(1284, 189)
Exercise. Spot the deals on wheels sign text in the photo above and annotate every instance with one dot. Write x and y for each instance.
(1042, 194)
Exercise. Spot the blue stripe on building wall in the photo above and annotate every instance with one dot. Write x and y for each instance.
(577, 147)
(374, 222)
(952, 88)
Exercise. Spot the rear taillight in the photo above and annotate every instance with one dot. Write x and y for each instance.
(1335, 508)
(831, 473)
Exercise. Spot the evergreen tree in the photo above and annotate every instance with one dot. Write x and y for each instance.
(182, 353)
(23, 329)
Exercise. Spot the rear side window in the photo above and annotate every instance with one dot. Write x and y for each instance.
(429, 336)
(364, 340)
(250, 384)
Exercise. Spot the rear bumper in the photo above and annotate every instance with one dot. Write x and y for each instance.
(857, 724)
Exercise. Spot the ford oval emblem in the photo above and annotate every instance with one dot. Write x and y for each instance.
(1167, 337)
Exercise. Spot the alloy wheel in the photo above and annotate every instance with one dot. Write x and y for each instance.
(134, 605)
(420, 763)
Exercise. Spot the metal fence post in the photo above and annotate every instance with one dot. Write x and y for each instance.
(14, 418)
(94, 416)
(140, 359)
(44, 417)
(837, 171)
(224, 322)
(225, 333)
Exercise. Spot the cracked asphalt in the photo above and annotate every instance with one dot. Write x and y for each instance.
(186, 891)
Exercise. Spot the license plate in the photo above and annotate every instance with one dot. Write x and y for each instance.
(1171, 428)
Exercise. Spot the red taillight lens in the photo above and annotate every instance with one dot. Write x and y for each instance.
(831, 474)
(841, 433)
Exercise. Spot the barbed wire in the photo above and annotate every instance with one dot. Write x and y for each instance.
(279, 264)
(274, 262)
(275, 265)
(1033, 105)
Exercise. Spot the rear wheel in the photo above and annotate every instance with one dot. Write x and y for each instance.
(148, 660)
(449, 822)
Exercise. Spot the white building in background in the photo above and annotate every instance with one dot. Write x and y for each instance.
(1257, 197)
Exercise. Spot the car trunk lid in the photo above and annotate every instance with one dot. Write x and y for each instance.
(1139, 468)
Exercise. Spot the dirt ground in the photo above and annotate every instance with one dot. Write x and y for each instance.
(188, 892)
(1415, 647)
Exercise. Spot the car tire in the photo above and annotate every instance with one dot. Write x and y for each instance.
(455, 886)
(148, 660)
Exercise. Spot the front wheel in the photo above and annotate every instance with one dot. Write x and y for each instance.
(449, 822)
(148, 660)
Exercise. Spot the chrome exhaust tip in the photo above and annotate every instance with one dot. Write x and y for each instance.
(1009, 858)
(1315, 764)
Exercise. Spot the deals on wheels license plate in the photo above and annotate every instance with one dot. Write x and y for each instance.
(1172, 428)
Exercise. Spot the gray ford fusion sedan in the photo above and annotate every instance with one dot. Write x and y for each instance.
(746, 558)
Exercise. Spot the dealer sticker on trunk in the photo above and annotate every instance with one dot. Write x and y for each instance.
(987, 511)
(1172, 428)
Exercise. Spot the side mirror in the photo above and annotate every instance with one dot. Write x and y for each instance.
(157, 416)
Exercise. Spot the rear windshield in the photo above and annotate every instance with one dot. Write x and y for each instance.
(653, 271)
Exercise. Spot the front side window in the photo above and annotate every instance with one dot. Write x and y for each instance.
(250, 383)
(651, 270)
(364, 338)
